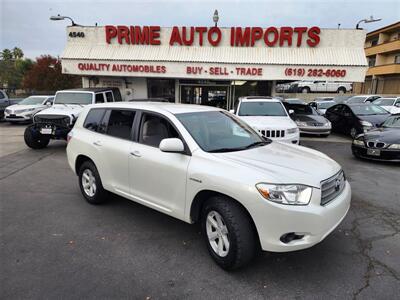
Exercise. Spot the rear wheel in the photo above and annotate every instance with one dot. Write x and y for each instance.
(228, 232)
(90, 184)
(305, 90)
(34, 139)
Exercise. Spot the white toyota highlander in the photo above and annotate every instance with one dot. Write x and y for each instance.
(203, 164)
(269, 117)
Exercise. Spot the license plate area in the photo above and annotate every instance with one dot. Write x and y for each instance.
(374, 152)
(46, 130)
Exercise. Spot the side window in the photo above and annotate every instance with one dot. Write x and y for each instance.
(99, 98)
(153, 129)
(93, 119)
(119, 123)
(109, 97)
(1, 95)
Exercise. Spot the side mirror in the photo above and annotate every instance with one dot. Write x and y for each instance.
(49, 103)
(291, 111)
(397, 104)
(172, 145)
(232, 111)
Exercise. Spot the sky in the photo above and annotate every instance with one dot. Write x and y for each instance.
(26, 24)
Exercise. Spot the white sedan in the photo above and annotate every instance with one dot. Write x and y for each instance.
(203, 164)
(24, 110)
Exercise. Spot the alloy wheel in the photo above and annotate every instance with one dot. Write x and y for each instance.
(89, 183)
(217, 233)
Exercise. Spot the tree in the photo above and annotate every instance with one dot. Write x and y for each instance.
(17, 53)
(46, 75)
(6, 54)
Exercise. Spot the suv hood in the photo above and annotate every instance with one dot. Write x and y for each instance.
(267, 122)
(285, 163)
(70, 110)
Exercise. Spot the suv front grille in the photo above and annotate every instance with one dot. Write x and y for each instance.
(61, 121)
(272, 133)
(332, 187)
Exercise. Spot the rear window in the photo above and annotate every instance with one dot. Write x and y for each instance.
(119, 123)
(93, 119)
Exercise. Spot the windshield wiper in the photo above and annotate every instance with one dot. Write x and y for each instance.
(255, 144)
(226, 150)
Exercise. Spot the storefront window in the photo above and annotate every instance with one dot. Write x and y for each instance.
(212, 93)
(161, 88)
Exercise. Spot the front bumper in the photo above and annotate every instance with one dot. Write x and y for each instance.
(315, 130)
(313, 221)
(22, 117)
(385, 154)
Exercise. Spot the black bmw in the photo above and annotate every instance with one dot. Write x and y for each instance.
(382, 143)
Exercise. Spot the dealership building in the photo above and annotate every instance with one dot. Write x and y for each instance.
(210, 65)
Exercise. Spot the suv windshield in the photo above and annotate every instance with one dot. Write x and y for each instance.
(384, 101)
(32, 101)
(262, 108)
(217, 131)
(73, 98)
(364, 110)
(392, 122)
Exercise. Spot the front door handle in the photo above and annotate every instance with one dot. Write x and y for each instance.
(97, 143)
(136, 153)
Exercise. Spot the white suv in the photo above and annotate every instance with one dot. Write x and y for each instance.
(203, 164)
(269, 117)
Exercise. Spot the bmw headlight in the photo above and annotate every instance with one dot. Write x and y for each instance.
(292, 130)
(366, 124)
(358, 142)
(290, 194)
(394, 146)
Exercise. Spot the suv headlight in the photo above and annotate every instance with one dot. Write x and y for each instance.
(300, 123)
(292, 130)
(290, 194)
(394, 146)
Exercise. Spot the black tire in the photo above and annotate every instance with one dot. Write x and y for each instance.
(305, 90)
(241, 234)
(100, 195)
(35, 140)
(341, 90)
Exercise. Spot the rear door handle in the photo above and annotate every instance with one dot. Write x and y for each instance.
(97, 143)
(136, 153)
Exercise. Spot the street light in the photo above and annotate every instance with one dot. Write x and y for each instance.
(60, 18)
(370, 20)
(216, 18)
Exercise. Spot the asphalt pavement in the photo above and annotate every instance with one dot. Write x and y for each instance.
(54, 245)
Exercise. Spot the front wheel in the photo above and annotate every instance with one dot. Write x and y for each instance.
(34, 139)
(228, 232)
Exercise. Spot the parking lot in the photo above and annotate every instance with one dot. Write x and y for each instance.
(56, 245)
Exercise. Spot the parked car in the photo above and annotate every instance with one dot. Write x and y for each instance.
(362, 99)
(356, 118)
(323, 99)
(341, 98)
(319, 86)
(322, 105)
(201, 164)
(55, 122)
(269, 117)
(24, 110)
(5, 101)
(382, 143)
(391, 104)
(294, 101)
(309, 120)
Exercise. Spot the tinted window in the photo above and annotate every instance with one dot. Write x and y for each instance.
(93, 119)
(73, 98)
(99, 98)
(262, 108)
(1, 95)
(109, 97)
(154, 129)
(119, 123)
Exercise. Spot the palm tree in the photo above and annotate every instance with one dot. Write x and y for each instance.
(17, 53)
(6, 54)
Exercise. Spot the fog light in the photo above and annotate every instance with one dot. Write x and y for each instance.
(291, 236)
